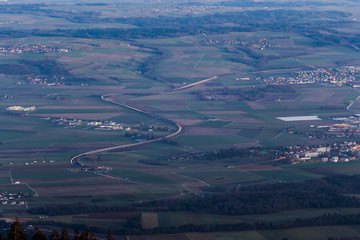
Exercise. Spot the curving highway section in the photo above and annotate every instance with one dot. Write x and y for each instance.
(75, 159)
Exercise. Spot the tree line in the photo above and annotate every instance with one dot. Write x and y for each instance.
(329, 192)
(323, 220)
(16, 232)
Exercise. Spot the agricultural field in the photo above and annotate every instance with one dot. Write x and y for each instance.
(223, 123)
(101, 103)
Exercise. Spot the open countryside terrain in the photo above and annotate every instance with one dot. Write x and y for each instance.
(105, 106)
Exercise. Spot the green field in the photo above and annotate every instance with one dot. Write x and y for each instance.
(66, 58)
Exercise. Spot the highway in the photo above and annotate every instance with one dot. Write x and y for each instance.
(357, 99)
(75, 159)
(192, 84)
(108, 99)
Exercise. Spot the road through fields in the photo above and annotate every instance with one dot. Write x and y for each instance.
(75, 160)
(180, 128)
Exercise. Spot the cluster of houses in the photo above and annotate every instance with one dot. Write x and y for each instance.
(37, 162)
(11, 198)
(25, 48)
(347, 126)
(343, 152)
(101, 125)
(182, 9)
(44, 80)
(4, 96)
(96, 124)
(21, 109)
(98, 170)
(260, 43)
(348, 75)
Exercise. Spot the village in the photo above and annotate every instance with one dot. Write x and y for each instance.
(337, 152)
(95, 124)
(25, 48)
(21, 109)
(105, 125)
(13, 198)
(341, 127)
(45, 80)
(260, 43)
(348, 75)
(294, 154)
(185, 9)
(139, 132)
(347, 126)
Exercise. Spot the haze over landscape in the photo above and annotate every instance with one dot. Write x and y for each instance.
(186, 120)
